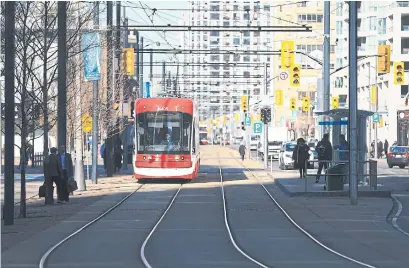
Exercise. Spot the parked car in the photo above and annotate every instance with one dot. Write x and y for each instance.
(398, 156)
(285, 160)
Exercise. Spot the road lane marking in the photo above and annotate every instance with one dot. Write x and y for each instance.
(395, 218)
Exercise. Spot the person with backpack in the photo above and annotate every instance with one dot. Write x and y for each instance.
(324, 150)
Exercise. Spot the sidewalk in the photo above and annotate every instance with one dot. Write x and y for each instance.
(41, 217)
(361, 231)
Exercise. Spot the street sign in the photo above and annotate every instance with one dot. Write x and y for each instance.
(258, 128)
(248, 121)
(86, 123)
(333, 123)
(375, 118)
(283, 76)
(91, 47)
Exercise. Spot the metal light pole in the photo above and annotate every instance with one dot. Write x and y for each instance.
(62, 73)
(9, 63)
(94, 174)
(352, 126)
(265, 125)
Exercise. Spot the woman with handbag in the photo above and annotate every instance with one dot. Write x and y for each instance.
(300, 156)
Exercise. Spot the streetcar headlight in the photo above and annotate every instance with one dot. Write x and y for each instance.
(144, 158)
(182, 158)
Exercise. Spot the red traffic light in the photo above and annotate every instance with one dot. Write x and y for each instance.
(295, 69)
(399, 67)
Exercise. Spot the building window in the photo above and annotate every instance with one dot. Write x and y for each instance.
(214, 16)
(339, 9)
(246, 16)
(214, 8)
(382, 26)
(266, 7)
(246, 58)
(339, 27)
(381, 42)
(246, 41)
(246, 34)
(403, 91)
(236, 41)
(214, 33)
(236, 7)
(372, 23)
(226, 23)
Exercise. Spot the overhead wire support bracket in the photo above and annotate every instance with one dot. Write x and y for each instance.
(183, 28)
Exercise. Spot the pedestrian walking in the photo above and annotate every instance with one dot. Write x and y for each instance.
(324, 151)
(67, 172)
(380, 149)
(300, 156)
(54, 172)
(242, 151)
(343, 148)
(118, 157)
(386, 147)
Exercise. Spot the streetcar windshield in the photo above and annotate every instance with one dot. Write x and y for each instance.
(202, 136)
(164, 132)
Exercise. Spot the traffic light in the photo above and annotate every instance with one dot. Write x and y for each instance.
(128, 61)
(384, 59)
(293, 104)
(263, 115)
(244, 104)
(279, 98)
(268, 115)
(381, 123)
(242, 126)
(305, 104)
(287, 54)
(398, 73)
(295, 75)
(374, 95)
(335, 102)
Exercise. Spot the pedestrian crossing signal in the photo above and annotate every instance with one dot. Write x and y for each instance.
(295, 75)
(287, 54)
(305, 104)
(293, 104)
(335, 102)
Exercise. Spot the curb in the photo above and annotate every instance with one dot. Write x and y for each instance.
(381, 194)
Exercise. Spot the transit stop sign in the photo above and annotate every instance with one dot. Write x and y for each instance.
(86, 123)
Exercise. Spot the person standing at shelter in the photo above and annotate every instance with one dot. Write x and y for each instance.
(67, 172)
(324, 150)
(242, 151)
(300, 156)
(54, 171)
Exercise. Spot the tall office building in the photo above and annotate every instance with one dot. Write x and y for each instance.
(217, 81)
(379, 23)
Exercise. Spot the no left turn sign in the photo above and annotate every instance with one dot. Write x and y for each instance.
(283, 76)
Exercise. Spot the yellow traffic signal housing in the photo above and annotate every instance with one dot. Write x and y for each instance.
(381, 123)
(305, 104)
(244, 104)
(335, 102)
(128, 61)
(374, 95)
(295, 75)
(293, 104)
(279, 98)
(287, 54)
(384, 59)
(398, 73)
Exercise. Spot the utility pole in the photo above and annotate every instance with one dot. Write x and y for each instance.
(62, 73)
(352, 126)
(164, 77)
(138, 95)
(376, 110)
(265, 147)
(79, 164)
(109, 144)
(327, 56)
(94, 174)
(151, 67)
(1, 120)
(125, 99)
(9, 63)
(141, 68)
(118, 84)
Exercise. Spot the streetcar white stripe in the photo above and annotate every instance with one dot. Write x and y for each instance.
(395, 218)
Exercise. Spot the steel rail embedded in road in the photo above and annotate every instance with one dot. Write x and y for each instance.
(396, 217)
(44, 258)
(226, 221)
(299, 227)
(142, 252)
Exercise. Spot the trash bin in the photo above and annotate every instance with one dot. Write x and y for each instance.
(335, 181)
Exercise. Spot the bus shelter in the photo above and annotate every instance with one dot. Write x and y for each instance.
(338, 118)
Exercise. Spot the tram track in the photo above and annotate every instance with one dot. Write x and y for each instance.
(47, 254)
(296, 225)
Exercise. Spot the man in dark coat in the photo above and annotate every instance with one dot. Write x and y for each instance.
(67, 172)
(242, 151)
(386, 147)
(54, 171)
(324, 150)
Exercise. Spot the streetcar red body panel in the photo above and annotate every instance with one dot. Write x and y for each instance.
(166, 138)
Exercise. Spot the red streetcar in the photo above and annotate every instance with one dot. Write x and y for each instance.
(166, 139)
